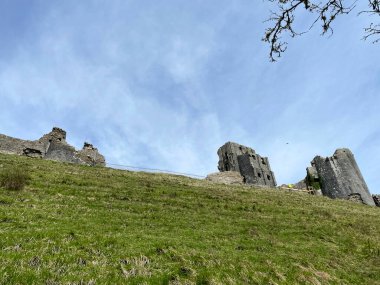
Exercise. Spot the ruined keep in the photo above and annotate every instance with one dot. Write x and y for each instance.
(254, 168)
(339, 177)
(52, 146)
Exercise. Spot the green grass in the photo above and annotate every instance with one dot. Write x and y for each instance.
(85, 225)
(14, 177)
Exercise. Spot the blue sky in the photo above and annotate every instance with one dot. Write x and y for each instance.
(163, 84)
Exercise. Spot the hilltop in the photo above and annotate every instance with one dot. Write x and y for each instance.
(76, 224)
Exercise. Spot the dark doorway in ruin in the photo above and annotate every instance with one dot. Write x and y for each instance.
(32, 152)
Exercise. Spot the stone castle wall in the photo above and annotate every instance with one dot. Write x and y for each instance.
(254, 168)
(52, 146)
(340, 177)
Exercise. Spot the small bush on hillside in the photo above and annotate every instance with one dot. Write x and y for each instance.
(14, 178)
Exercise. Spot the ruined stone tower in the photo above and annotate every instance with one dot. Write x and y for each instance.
(339, 177)
(254, 168)
(52, 146)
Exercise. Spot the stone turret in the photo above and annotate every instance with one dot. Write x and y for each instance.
(339, 177)
(52, 146)
(254, 168)
(56, 135)
(90, 155)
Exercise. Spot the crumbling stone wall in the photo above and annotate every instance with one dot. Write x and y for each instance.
(52, 146)
(11, 145)
(254, 168)
(339, 177)
(376, 199)
(228, 156)
(90, 155)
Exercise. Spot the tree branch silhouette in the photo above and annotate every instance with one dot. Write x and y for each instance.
(325, 13)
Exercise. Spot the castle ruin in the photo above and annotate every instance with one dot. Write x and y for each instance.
(254, 168)
(339, 176)
(376, 199)
(52, 146)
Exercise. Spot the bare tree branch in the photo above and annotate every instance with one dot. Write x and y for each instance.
(373, 31)
(325, 13)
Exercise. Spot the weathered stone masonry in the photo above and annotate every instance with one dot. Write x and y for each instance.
(376, 199)
(254, 168)
(52, 146)
(339, 177)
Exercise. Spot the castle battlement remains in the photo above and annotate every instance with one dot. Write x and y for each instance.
(52, 146)
(254, 168)
(339, 176)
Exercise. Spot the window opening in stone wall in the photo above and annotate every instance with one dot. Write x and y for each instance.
(263, 161)
(259, 174)
(268, 177)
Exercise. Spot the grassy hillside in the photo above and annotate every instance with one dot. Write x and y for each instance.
(83, 225)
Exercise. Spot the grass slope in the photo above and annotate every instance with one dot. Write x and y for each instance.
(83, 225)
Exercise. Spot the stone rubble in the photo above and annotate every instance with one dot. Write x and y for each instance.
(226, 177)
